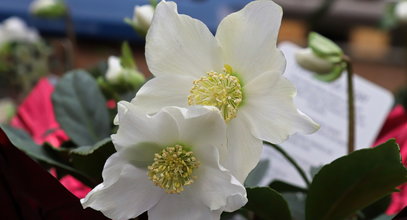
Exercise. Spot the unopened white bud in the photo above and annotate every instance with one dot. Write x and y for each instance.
(48, 8)
(400, 11)
(307, 59)
(117, 74)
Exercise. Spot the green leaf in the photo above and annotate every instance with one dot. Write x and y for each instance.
(324, 47)
(377, 208)
(401, 97)
(389, 19)
(256, 175)
(91, 159)
(384, 217)
(23, 141)
(127, 59)
(282, 187)
(267, 203)
(354, 181)
(80, 108)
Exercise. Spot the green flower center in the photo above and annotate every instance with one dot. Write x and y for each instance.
(172, 169)
(222, 90)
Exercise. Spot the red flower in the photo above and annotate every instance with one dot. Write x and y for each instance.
(396, 127)
(36, 116)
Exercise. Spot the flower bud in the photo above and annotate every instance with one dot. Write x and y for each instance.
(310, 61)
(48, 8)
(324, 47)
(116, 74)
(400, 11)
(142, 18)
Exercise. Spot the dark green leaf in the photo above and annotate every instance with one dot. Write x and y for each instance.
(314, 170)
(256, 175)
(80, 108)
(384, 217)
(267, 203)
(282, 187)
(127, 59)
(23, 141)
(354, 181)
(91, 160)
(401, 97)
(377, 208)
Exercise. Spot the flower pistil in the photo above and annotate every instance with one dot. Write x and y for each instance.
(172, 168)
(222, 90)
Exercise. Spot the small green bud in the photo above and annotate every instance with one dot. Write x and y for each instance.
(323, 57)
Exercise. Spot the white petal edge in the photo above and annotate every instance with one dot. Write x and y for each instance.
(180, 45)
(131, 195)
(215, 186)
(270, 109)
(244, 149)
(163, 91)
(248, 39)
(135, 126)
(179, 207)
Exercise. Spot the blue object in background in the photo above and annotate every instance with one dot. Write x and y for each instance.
(103, 19)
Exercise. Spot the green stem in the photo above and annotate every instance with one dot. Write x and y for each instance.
(351, 105)
(70, 33)
(292, 161)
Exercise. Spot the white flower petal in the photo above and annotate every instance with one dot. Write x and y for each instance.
(271, 111)
(201, 127)
(248, 39)
(180, 207)
(137, 127)
(180, 45)
(163, 91)
(244, 149)
(215, 186)
(131, 195)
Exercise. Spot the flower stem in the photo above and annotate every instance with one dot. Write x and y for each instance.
(70, 33)
(351, 105)
(292, 161)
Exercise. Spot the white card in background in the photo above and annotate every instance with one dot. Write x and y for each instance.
(326, 103)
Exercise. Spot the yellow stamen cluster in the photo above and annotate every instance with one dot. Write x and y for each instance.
(221, 90)
(172, 169)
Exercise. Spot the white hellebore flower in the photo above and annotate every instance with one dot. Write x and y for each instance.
(14, 29)
(310, 61)
(400, 11)
(169, 165)
(142, 17)
(239, 71)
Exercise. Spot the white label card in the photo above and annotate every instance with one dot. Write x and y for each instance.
(326, 103)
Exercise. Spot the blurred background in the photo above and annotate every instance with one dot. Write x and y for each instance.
(359, 26)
